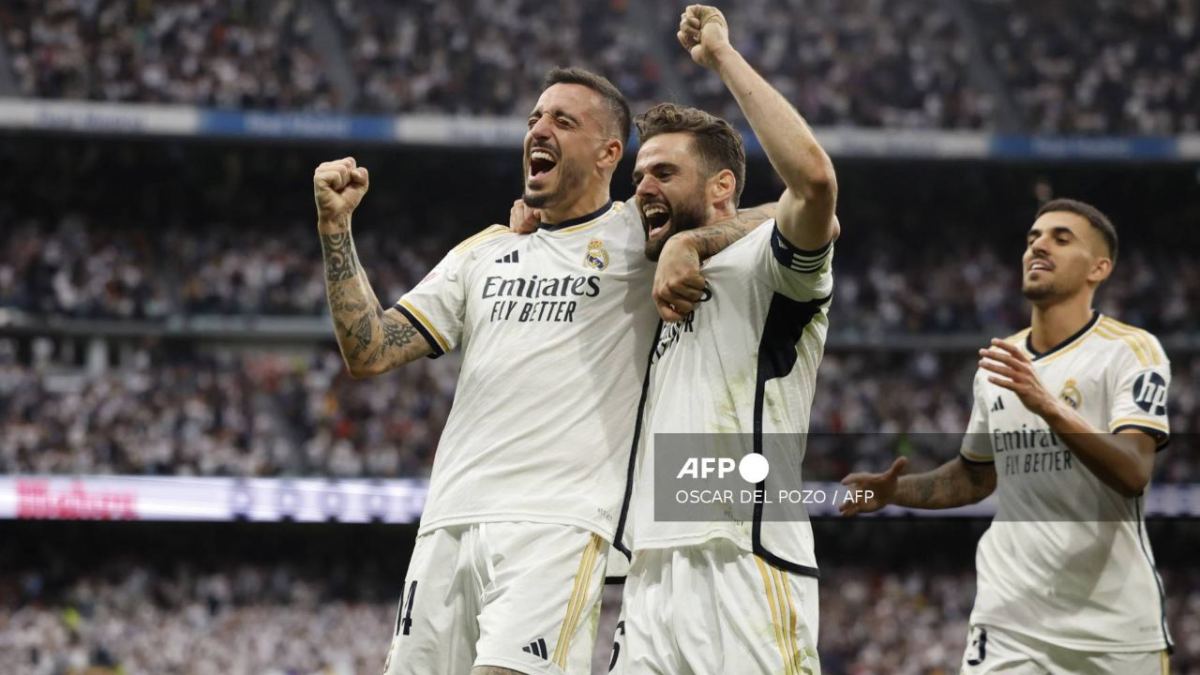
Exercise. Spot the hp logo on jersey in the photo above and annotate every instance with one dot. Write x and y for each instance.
(1150, 393)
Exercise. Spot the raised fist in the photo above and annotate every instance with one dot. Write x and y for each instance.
(338, 187)
(704, 33)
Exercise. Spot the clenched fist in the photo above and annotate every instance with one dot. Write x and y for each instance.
(704, 33)
(338, 187)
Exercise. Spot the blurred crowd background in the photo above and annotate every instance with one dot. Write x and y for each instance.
(279, 600)
(1130, 67)
(162, 303)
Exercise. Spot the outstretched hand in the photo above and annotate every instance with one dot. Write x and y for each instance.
(882, 487)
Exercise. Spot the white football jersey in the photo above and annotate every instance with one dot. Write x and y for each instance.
(1067, 559)
(743, 364)
(555, 329)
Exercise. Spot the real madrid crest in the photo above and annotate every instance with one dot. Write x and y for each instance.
(1070, 394)
(596, 256)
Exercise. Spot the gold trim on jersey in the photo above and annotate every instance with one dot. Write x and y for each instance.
(974, 457)
(578, 600)
(783, 615)
(1166, 663)
(1138, 340)
(1069, 348)
(478, 238)
(616, 208)
(420, 316)
(1138, 421)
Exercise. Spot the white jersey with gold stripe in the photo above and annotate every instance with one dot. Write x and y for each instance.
(743, 365)
(1067, 559)
(555, 329)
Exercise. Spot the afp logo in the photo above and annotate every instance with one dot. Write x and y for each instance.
(1150, 393)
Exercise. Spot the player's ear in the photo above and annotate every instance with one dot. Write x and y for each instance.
(722, 187)
(1101, 268)
(610, 153)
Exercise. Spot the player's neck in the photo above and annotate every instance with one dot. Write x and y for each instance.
(588, 203)
(1055, 322)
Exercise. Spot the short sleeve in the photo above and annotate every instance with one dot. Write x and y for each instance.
(794, 272)
(977, 442)
(1139, 381)
(436, 306)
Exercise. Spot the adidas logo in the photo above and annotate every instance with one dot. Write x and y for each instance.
(510, 258)
(538, 646)
(998, 405)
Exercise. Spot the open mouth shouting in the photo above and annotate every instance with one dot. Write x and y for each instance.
(657, 217)
(542, 162)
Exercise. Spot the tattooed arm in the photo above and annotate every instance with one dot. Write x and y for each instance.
(955, 483)
(678, 283)
(372, 340)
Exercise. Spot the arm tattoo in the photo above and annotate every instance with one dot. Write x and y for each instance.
(361, 332)
(368, 337)
(397, 334)
(712, 239)
(952, 484)
(341, 261)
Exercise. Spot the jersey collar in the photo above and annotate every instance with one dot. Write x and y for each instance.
(1065, 343)
(577, 221)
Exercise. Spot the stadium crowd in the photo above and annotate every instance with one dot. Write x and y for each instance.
(237, 54)
(275, 619)
(1132, 67)
(482, 57)
(81, 270)
(899, 64)
(231, 413)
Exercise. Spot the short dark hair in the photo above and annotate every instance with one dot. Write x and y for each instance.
(618, 107)
(1089, 213)
(717, 142)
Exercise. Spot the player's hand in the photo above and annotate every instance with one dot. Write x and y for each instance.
(523, 218)
(338, 187)
(678, 284)
(704, 34)
(1012, 369)
(882, 485)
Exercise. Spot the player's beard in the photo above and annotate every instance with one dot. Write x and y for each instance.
(1039, 292)
(570, 184)
(686, 215)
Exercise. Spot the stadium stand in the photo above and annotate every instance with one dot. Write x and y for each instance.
(899, 64)
(227, 413)
(235, 609)
(1131, 68)
(202, 52)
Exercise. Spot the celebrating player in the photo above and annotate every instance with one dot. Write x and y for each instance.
(729, 597)
(509, 559)
(1068, 415)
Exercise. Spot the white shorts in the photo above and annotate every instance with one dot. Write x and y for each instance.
(522, 596)
(995, 650)
(715, 609)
